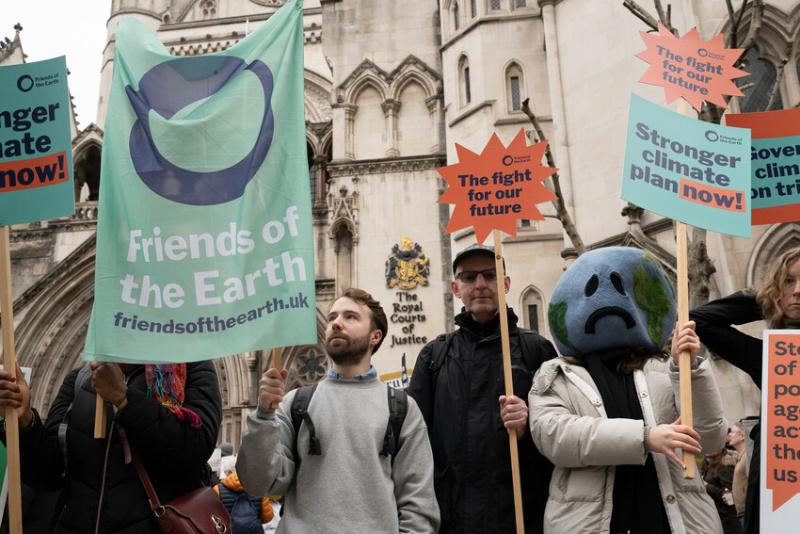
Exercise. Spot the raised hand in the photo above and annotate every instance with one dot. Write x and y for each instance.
(108, 381)
(15, 395)
(272, 387)
(684, 339)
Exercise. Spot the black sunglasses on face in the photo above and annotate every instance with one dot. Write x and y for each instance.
(469, 277)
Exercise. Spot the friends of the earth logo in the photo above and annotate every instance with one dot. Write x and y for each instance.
(173, 86)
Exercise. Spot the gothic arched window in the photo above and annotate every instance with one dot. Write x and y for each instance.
(762, 77)
(464, 82)
(514, 87)
(533, 311)
(473, 8)
(494, 5)
(413, 121)
(455, 17)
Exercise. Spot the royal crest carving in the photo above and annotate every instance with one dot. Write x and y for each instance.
(407, 266)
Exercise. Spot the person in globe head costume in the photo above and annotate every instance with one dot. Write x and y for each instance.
(777, 302)
(606, 412)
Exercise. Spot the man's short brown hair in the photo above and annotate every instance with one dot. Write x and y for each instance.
(378, 318)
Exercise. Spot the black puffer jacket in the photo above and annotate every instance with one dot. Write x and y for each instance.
(173, 453)
(714, 328)
(458, 395)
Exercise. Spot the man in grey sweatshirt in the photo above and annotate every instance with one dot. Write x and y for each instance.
(349, 486)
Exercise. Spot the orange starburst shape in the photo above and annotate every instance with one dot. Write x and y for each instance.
(493, 189)
(690, 67)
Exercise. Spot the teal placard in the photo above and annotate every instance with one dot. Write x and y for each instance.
(35, 146)
(776, 172)
(688, 170)
(204, 241)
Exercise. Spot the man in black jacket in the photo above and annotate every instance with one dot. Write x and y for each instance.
(101, 492)
(458, 385)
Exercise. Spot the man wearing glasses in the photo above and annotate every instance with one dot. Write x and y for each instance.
(458, 385)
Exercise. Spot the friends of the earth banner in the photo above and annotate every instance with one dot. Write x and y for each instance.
(688, 170)
(35, 145)
(780, 431)
(204, 241)
(775, 159)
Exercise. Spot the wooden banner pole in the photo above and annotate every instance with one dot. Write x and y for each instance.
(99, 418)
(509, 384)
(277, 363)
(684, 359)
(10, 365)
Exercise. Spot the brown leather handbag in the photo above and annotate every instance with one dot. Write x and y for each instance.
(198, 512)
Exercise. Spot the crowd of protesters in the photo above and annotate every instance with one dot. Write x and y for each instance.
(598, 431)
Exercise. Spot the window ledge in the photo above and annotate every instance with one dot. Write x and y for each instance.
(489, 18)
(471, 109)
(520, 118)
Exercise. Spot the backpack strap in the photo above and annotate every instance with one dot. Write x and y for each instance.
(83, 376)
(531, 350)
(441, 350)
(398, 407)
(299, 415)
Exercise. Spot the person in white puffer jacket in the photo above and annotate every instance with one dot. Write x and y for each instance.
(606, 412)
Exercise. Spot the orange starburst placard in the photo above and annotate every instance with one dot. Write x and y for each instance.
(493, 189)
(690, 67)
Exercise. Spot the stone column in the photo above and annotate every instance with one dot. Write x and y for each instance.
(434, 104)
(253, 360)
(561, 137)
(343, 117)
(792, 85)
(320, 164)
(390, 108)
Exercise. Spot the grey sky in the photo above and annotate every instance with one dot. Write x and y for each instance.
(57, 28)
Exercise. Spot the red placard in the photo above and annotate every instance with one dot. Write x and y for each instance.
(690, 67)
(493, 189)
(781, 428)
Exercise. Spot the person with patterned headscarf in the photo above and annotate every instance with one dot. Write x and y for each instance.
(167, 415)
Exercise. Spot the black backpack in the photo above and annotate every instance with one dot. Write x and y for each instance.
(398, 406)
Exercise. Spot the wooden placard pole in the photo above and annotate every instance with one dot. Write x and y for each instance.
(10, 365)
(509, 384)
(277, 363)
(99, 418)
(684, 359)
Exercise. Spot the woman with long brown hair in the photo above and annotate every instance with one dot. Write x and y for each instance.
(777, 302)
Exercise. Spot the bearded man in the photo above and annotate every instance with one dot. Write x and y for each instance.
(330, 460)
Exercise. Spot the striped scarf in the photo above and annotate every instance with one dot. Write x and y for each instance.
(166, 384)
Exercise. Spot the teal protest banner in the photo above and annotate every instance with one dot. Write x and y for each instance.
(35, 145)
(204, 241)
(775, 158)
(687, 170)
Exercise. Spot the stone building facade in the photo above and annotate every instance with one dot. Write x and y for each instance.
(389, 88)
